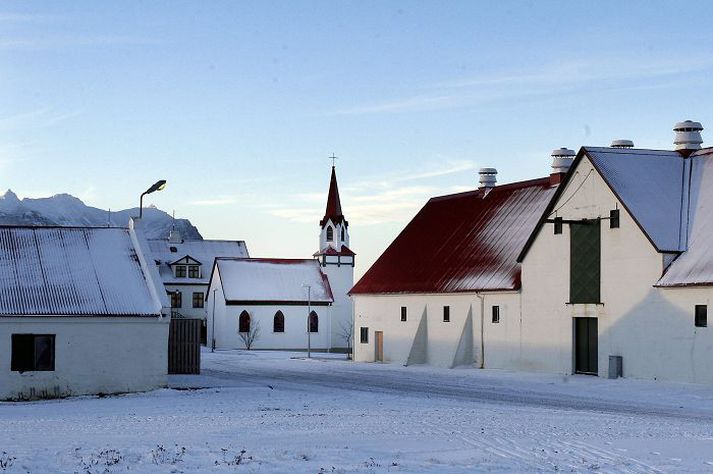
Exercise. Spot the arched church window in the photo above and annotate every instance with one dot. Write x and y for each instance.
(244, 322)
(278, 322)
(313, 322)
(343, 235)
(330, 233)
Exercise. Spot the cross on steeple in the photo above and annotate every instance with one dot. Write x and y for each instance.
(333, 158)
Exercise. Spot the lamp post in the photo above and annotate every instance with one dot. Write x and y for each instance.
(212, 323)
(309, 321)
(157, 186)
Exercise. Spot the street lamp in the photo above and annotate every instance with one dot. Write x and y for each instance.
(157, 186)
(309, 320)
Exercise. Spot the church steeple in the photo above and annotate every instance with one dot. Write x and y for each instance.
(334, 205)
(334, 234)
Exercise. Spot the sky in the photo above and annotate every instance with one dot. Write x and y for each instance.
(239, 104)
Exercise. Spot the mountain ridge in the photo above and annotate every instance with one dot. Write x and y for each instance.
(67, 210)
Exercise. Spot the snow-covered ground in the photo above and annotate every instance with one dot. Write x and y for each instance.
(267, 412)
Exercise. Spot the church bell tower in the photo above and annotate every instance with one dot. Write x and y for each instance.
(337, 260)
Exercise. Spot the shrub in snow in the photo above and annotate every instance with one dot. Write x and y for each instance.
(6, 461)
(101, 461)
(251, 336)
(161, 455)
(233, 460)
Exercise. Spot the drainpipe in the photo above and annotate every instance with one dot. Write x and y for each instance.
(482, 329)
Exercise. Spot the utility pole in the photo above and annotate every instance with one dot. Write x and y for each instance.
(309, 321)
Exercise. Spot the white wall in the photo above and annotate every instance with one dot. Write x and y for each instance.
(341, 280)
(444, 344)
(187, 308)
(651, 328)
(92, 355)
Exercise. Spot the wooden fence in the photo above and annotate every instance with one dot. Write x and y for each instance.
(184, 346)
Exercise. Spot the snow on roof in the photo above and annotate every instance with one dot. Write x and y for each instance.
(650, 184)
(204, 251)
(273, 280)
(67, 271)
(695, 265)
(461, 242)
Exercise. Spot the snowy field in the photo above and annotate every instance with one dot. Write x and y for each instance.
(266, 412)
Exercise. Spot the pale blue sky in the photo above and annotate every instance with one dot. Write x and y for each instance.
(238, 104)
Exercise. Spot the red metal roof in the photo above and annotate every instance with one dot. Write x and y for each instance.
(334, 206)
(345, 252)
(461, 242)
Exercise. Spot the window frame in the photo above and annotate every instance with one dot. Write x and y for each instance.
(446, 314)
(404, 314)
(330, 233)
(313, 322)
(194, 271)
(700, 316)
(495, 314)
(198, 299)
(364, 335)
(21, 366)
(180, 271)
(278, 322)
(176, 297)
(241, 323)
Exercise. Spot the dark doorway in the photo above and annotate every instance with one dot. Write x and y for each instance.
(586, 350)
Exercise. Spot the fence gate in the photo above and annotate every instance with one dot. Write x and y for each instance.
(184, 346)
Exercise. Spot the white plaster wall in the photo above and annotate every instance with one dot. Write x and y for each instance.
(92, 355)
(294, 337)
(187, 308)
(651, 328)
(341, 280)
(383, 313)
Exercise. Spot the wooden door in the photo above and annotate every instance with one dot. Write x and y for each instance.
(379, 346)
(586, 342)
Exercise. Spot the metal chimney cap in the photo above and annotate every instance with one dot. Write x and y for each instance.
(563, 152)
(487, 178)
(688, 126)
(622, 143)
(488, 171)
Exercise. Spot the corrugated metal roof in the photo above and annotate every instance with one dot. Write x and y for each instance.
(650, 184)
(268, 280)
(71, 271)
(205, 251)
(461, 242)
(695, 265)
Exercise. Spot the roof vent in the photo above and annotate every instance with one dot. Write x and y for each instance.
(688, 135)
(562, 159)
(487, 178)
(621, 143)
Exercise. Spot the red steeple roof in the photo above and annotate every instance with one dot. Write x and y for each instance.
(334, 206)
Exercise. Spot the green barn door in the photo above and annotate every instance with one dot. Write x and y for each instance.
(586, 346)
(585, 262)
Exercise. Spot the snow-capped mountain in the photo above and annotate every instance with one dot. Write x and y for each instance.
(67, 210)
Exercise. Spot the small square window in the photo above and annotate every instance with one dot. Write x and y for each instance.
(496, 314)
(558, 225)
(32, 352)
(364, 333)
(180, 271)
(446, 314)
(614, 219)
(404, 313)
(701, 316)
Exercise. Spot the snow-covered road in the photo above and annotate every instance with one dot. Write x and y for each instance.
(335, 416)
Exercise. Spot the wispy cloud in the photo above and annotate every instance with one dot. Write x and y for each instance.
(37, 118)
(380, 199)
(549, 79)
(68, 41)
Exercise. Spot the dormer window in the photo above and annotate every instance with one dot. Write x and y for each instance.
(180, 271)
(330, 233)
(194, 271)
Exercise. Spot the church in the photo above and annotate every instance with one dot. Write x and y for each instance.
(286, 304)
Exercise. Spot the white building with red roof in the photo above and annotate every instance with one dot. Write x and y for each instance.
(605, 270)
(293, 304)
